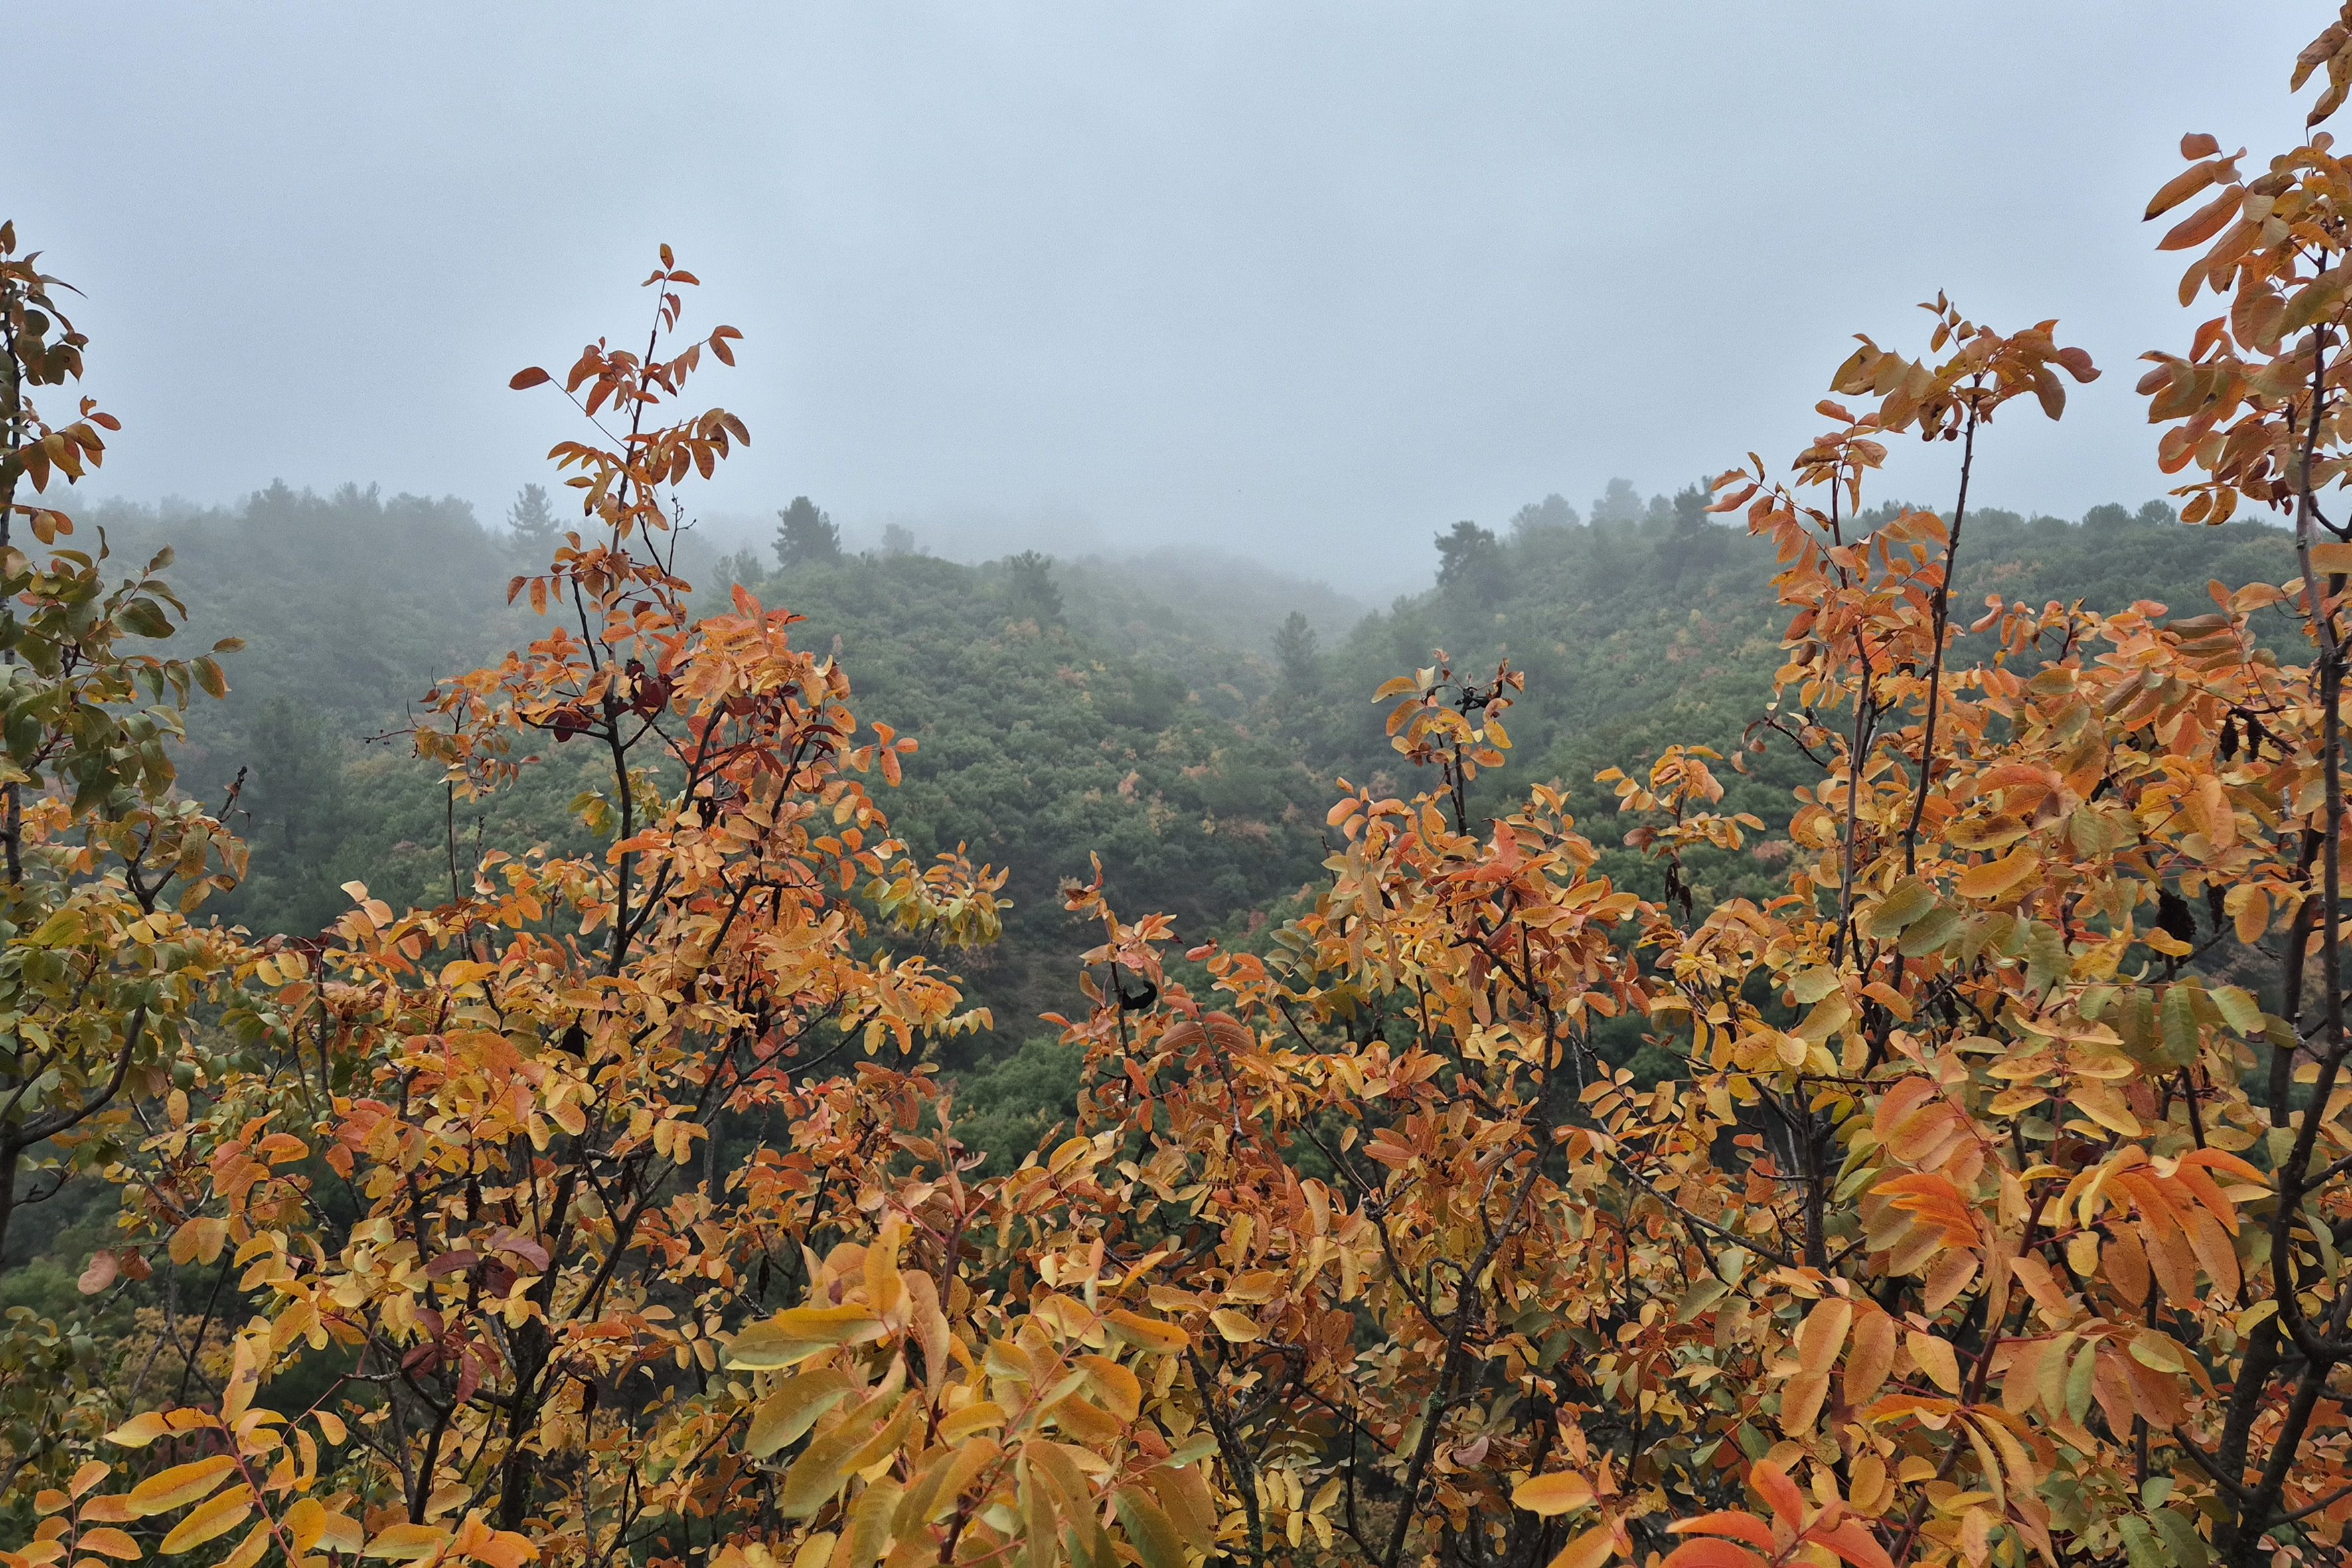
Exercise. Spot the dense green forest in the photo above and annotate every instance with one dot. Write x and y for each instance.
(1182, 716)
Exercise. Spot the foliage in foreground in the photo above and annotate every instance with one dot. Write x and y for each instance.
(1983, 1225)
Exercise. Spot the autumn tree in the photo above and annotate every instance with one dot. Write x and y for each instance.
(1987, 1222)
(102, 969)
(539, 1164)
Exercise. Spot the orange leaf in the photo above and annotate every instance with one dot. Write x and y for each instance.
(1772, 1483)
(1991, 878)
(1800, 1401)
(1556, 1493)
(2205, 222)
(107, 1541)
(2180, 187)
(1709, 1552)
(1595, 1546)
(1743, 1526)
(1853, 1543)
(1873, 1357)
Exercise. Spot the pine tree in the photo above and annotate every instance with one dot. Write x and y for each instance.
(804, 534)
(1294, 646)
(531, 523)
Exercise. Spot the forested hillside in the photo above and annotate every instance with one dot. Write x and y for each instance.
(1160, 711)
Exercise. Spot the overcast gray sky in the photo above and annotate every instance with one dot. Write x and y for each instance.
(1305, 281)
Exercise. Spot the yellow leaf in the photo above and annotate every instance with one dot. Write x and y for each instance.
(816, 1475)
(406, 1543)
(1823, 1333)
(884, 1444)
(243, 1378)
(217, 1515)
(140, 1430)
(248, 1551)
(181, 1485)
(1146, 1333)
(306, 1521)
(977, 1417)
(793, 1336)
(1236, 1326)
(1183, 1493)
(2104, 1106)
(1120, 1388)
(1809, 985)
(1556, 1493)
(1936, 1359)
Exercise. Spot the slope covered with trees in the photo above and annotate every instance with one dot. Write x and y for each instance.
(1152, 716)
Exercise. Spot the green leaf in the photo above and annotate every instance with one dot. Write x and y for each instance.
(144, 618)
(1699, 1297)
(816, 1475)
(2187, 1548)
(2140, 1545)
(1809, 985)
(786, 1414)
(2238, 1009)
(1931, 932)
(2179, 1026)
(2046, 958)
(2079, 1382)
(1149, 1531)
(1909, 899)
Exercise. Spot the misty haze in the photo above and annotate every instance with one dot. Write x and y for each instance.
(1370, 786)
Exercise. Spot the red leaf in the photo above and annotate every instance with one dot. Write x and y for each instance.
(528, 378)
